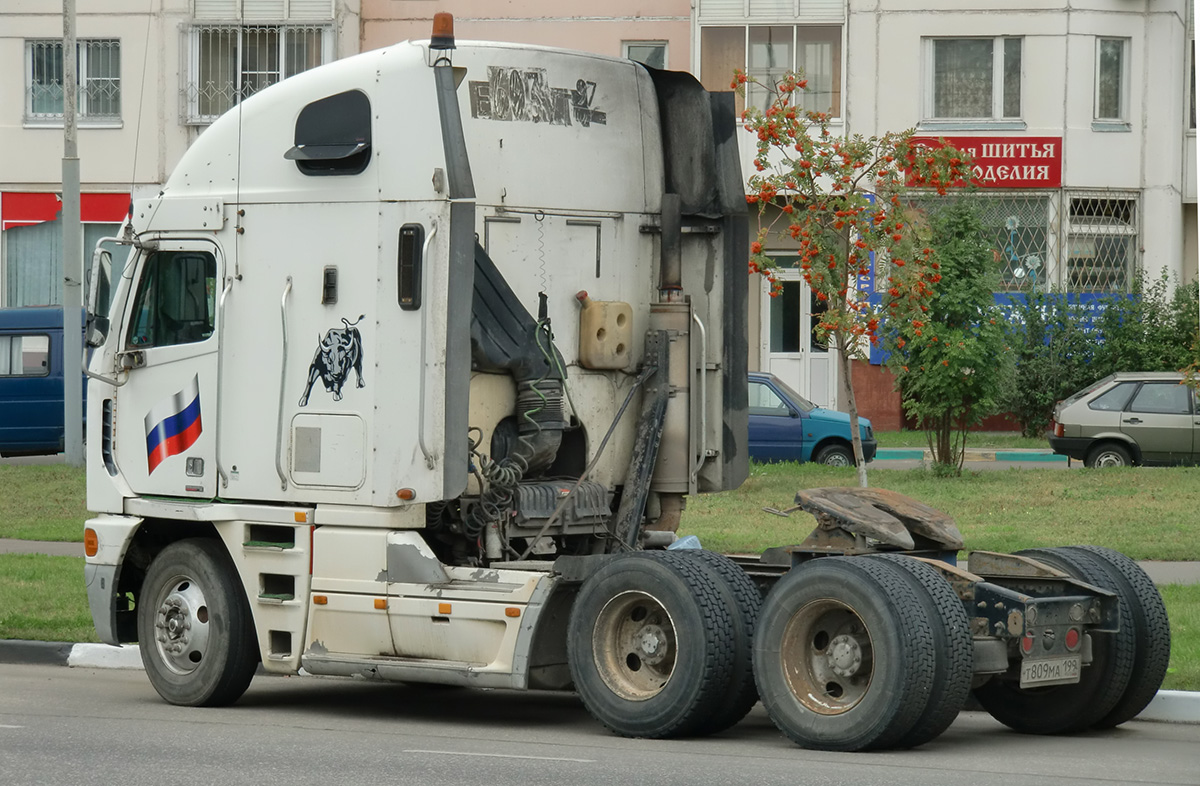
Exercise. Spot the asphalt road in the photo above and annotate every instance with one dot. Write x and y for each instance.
(80, 726)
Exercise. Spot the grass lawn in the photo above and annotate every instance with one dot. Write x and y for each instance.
(1147, 513)
(42, 502)
(45, 599)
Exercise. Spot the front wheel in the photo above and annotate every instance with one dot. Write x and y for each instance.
(835, 456)
(194, 628)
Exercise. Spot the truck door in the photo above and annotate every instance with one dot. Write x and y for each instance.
(166, 412)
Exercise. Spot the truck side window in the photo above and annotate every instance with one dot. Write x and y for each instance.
(175, 300)
(333, 135)
(24, 356)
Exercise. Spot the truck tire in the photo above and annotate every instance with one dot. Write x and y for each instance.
(955, 650)
(743, 600)
(651, 645)
(1151, 629)
(1062, 709)
(815, 654)
(835, 456)
(194, 629)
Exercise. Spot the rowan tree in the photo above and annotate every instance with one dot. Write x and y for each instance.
(840, 199)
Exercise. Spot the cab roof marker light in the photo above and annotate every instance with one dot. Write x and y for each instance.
(443, 31)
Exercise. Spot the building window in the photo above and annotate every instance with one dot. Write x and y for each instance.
(973, 79)
(1102, 234)
(1112, 79)
(98, 76)
(1019, 227)
(230, 62)
(651, 53)
(768, 52)
(24, 356)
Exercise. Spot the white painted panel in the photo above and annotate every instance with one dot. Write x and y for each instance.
(310, 9)
(226, 10)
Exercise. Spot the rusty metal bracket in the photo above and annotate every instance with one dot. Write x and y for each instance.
(851, 517)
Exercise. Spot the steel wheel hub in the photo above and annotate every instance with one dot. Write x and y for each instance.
(634, 646)
(827, 657)
(181, 625)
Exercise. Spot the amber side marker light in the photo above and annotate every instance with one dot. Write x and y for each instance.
(512, 611)
(320, 600)
(91, 542)
(408, 495)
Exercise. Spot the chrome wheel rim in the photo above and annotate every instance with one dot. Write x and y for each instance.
(181, 625)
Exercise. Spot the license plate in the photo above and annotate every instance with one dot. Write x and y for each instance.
(1050, 671)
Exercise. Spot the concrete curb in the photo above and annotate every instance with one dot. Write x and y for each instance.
(1168, 706)
(1173, 706)
(973, 454)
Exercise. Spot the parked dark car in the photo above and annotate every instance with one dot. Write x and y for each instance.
(784, 426)
(31, 380)
(1129, 418)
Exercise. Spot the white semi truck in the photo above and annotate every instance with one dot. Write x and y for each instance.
(410, 368)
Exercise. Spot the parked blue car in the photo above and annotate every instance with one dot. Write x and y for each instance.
(31, 380)
(784, 426)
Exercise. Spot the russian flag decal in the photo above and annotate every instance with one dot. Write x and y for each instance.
(173, 424)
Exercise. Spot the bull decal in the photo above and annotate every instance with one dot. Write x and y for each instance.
(337, 353)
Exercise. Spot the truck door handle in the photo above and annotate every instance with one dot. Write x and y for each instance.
(134, 358)
(1133, 421)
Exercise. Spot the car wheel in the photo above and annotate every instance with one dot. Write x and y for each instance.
(835, 456)
(1109, 454)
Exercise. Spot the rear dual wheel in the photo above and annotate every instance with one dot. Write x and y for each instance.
(1061, 709)
(651, 645)
(850, 654)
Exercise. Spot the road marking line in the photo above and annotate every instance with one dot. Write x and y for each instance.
(503, 756)
(4, 726)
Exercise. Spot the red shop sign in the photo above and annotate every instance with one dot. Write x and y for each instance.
(1009, 161)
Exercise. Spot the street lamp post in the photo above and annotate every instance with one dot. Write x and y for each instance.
(72, 252)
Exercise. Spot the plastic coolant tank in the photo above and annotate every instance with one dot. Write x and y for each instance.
(605, 333)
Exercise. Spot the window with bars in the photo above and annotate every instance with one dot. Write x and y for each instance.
(1020, 229)
(1112, 100)
(767, 52)
(973, 79)
(1093, 248)
(98, 77)
(232, 62)
(1102, 241)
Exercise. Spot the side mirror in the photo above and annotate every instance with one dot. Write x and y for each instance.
(97, 330)
(98, 295)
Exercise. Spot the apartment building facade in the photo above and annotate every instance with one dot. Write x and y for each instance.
(152, 74)
(1081, 114)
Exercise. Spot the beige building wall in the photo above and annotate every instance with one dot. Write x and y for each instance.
(569, 24)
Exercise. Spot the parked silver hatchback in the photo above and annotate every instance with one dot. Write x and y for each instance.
(1129, 418)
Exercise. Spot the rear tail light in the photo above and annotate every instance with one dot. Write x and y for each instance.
(1059, 431)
